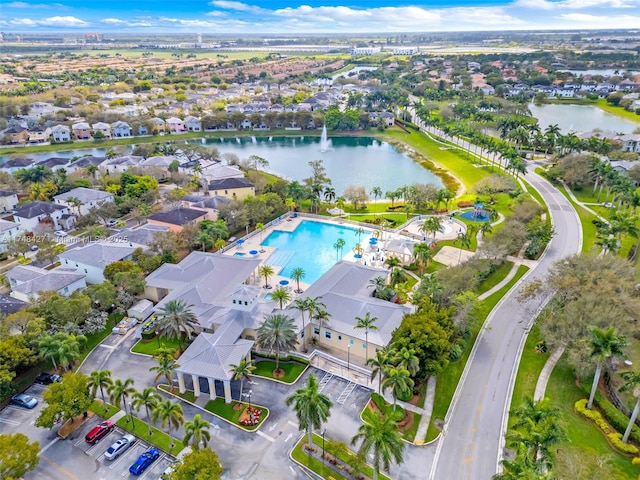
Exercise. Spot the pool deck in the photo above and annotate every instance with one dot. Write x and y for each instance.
(372, 256)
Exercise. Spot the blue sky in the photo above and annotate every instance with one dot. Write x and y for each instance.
(313, 16)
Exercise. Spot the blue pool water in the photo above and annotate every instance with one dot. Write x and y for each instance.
(468, 215)
(310, 247)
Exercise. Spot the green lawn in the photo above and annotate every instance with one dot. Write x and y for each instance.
(495, 278)
(149, 347)
(226, 411)
(448, 379)
(397, 414)
(293, 370)
(157, 437)
(98, 408)
(586, 452)
(586, 220)
(188, 395)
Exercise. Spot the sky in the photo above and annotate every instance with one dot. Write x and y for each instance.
(313, 16)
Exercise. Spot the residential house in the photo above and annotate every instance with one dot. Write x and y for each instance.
(175, 125)
(235, 188)
(60, 133)
(39, 134)
(120, 164)
(27, 282)
(631, 143)
(85, 162)
(54, 163)
(14, 164)
(8, 231)
(81, 131)
(141, 236)
(159, 124)
(91, 259)
(120, 129)
(206, 203)
(176, 219)
(88, 197)
(192, 124)
(9, 304)
(39, 216)
(8, 201)
(102, 128)
(218, 171)
(16, 135)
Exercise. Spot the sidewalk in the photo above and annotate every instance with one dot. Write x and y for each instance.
(427, 408)
(543, 379)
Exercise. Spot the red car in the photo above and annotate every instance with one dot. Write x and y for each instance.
(99, 431)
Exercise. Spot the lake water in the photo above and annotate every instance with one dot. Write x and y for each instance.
(608, 72)
(360, 161)
(580, 118)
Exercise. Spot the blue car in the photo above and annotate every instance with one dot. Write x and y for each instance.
(144, 460)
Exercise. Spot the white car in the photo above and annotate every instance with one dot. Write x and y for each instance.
(60, 233)
(118, 447)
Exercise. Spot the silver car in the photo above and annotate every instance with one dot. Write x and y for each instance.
(115, 450)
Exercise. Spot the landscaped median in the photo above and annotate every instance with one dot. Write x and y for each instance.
(149, 347)
(406, 421)
(239, 414)
(293, 368)
(338, 463)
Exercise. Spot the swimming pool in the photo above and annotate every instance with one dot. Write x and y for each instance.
(310, 247)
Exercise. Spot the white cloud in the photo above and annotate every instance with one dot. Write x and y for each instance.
(33, 5)
(24, 21)
(216, 13)
(113, 21)
(238, 6)
(574, 4)
(587, 20)
(127, 23)
(67, 21)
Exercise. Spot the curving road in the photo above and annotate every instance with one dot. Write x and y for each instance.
(472, 441)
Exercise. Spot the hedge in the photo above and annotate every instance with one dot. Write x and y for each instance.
(614, 437)
(615, 417)
(285, 359)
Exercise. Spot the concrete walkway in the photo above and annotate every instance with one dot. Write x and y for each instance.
(427, 410)
(545, 373)
(578, 202)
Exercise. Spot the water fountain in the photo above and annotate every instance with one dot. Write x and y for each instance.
(253, 140)
(237, 140)
(324, 141)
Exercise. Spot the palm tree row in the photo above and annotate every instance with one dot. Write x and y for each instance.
(61, 348)
(394, 370)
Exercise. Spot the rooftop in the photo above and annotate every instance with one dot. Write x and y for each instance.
(98, 254)
(85, 195)
(34, 209)
(230, 183)
(179, 216)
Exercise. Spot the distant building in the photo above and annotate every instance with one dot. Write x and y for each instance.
(93, 258)
(176, 219)
(88, 197)
(27, 282)
(357, 51)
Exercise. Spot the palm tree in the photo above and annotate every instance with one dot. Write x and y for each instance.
(204, 239)
(281, 295)
(176, 319)
(48, 349)
(320, 315)
(266, 271)
(275, 334)
(170, 414)
(240, 371)
(431, 225)
(260, 227)
(380, 364)
(99, 380)
(399, 381)
(339, 245)
(368, 323)
(406, 358)
(166, 366)
(397, 276)
(392, 261)
(604, 344)
(329, 194)
(377, 193)
(464, 239)
(196, 432)
(75, 202)
(297, 274)
(423, 254)
(120, 391)
(631, 382)
(312, 407)
(148, 399)
(383, 438)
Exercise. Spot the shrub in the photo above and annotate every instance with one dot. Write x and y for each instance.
(150, 335)
(615, 417)
(616, 440)
(614, 437)
(636, 461)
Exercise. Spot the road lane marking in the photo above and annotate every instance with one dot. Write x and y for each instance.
(9, 422)
(264, 435)
(289, 437)
(63, 471)
(48, 445)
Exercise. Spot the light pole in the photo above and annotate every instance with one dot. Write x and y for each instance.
(349, 359)
(324, 430)
(133, 423)
(250, 392)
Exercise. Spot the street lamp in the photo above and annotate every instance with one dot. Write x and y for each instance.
(348, 359)
(324, 430)
(250, 392)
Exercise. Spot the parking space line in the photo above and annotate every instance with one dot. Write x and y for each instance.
(123, 455)
(146, 472)
(144, 449)
(48, 445)
(89, 451)
(10, 422)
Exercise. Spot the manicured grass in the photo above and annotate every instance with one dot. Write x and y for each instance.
(397, 414)
(188, 395)
(495, 278)
(448, 379)
(149, 347)
(586, 220)
(157, 437)
(586, 452)
(293, 370)
(618, 111)
(531, 364)
(98, 408)
(94, 340)
(226, 411)
(434, 266)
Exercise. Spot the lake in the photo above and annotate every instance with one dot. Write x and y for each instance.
(360, 161)
(607, 72)
(580, 118)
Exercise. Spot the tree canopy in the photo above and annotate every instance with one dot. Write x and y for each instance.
(17, 456)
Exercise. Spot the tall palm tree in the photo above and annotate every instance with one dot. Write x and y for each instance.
(176, 319)
(368, 323)
(196, 432)
(397, 276)
(604, 344)
(383, 438)
(148, 399)
(99, 380)
(406, 358)
(240, 371)
(281, 295)
(166, 366)
(120, 391)
(297, 274)
(339, 245)
(169, 413)
(329, 194)
(392, 261)
(48, 349)
(431, 225)
(277, 333)
(632, 383)
(399, 381)
(266, 271)
(320, 316)
(377, 193)
(312, 407)
(260, 227)
(380, 364)
(423, 254)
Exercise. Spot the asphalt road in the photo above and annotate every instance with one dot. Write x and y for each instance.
(472, 441)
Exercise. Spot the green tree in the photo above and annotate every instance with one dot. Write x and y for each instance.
(120, 391)
(339, 245)
(17, 456)
(266, 271)
(399, 381)
(276, 334)
(368, 323)
(103, 295)
(312, 407)
(175, 320)
(604, 343)
(382, 437)
(281, 295)
(200, 464)
(166, 365)
(297, 274)
(406, 358)
(240, 371)
(99, 380)
(196, 432)
(170, 414)
(148, 399)
(65, 400)
(380, 364)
